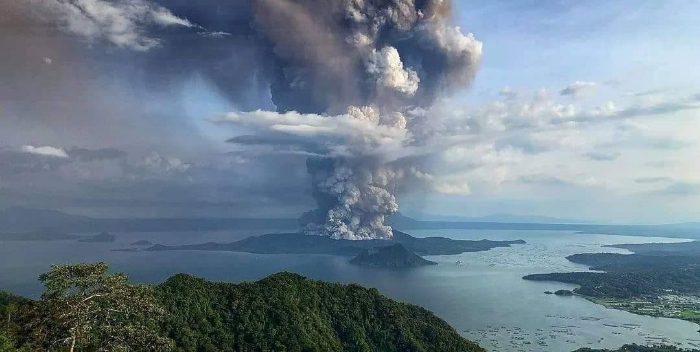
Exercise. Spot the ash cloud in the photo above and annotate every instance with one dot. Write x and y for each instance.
(335, 81)
(345, 76)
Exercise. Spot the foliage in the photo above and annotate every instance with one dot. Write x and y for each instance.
(631, 276)
(10, 306)
(286, 312)
(87, 309)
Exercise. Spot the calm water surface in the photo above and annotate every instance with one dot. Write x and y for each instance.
(485, 298)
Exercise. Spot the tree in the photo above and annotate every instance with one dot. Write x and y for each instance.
(85, 308)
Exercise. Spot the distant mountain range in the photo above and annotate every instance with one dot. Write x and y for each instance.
(14, 221)
(503, 217)
(683, 230)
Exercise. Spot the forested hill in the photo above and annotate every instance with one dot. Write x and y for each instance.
(287, 312)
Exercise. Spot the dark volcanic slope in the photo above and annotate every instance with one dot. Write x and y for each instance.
(297, 243)
(395, 256)
(287, 312)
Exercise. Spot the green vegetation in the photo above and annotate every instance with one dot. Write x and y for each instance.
(631, 276)
(690, 314)
(85, 308)
(659, 280)
(638, 348)
(9, 313)
(287, 312)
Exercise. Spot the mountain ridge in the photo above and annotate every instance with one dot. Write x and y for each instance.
(24, 220)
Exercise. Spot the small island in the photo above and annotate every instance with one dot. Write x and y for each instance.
(563, 293)
(102, 237)
(142, 243)
(395, 257)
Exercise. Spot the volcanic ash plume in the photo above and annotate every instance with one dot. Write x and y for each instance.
(353, 199)
(344, 76)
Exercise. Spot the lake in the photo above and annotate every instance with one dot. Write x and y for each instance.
(485, 298)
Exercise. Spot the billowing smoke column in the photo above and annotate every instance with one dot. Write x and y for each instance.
(368, 61)
(347, 78)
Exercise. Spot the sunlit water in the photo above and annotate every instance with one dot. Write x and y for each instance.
(485, 299)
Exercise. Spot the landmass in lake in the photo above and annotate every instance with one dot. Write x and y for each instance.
(297, 243)
(394, 256)
(141, 243)
(658, 279)
(102, 237)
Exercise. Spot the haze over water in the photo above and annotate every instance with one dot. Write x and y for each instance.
(485, 299)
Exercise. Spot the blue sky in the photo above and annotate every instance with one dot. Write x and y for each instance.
(633, 53)
(643, 44)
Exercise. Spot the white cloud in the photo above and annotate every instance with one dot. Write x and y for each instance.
(524, 144)
(123, 23)
(158, 163)
(361, 132)
(454, 188)
(164, 17)
(387, 67)
(45, 151)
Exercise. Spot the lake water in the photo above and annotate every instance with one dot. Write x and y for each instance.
(485, 299)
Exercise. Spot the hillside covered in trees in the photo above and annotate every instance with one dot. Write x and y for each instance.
(85, 308)
(287, 312)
